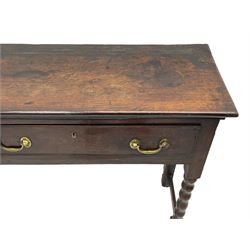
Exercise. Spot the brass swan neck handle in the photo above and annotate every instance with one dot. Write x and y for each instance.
(25, 142)
(136, 144)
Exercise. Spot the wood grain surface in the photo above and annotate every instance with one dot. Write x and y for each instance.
(112, 79)
(100, 140)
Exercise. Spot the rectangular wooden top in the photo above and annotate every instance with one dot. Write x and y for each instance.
(176, 80)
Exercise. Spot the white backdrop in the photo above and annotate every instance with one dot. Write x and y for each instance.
(124, 206)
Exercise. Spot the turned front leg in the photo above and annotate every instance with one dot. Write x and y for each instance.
(184, 195)
(179, 206)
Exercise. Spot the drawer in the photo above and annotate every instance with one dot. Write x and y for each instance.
(162, 140)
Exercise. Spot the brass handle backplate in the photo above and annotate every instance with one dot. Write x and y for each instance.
(25, 142)
(136, 144)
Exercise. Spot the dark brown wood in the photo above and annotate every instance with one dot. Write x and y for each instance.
(184, 195)
(194, 169)
(167, 175)
(102, 140)
(85, 103)
(86, 159)
(167, 181)
(117, 120)
(112, 79)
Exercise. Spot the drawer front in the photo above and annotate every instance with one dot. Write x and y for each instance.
(100, 139)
